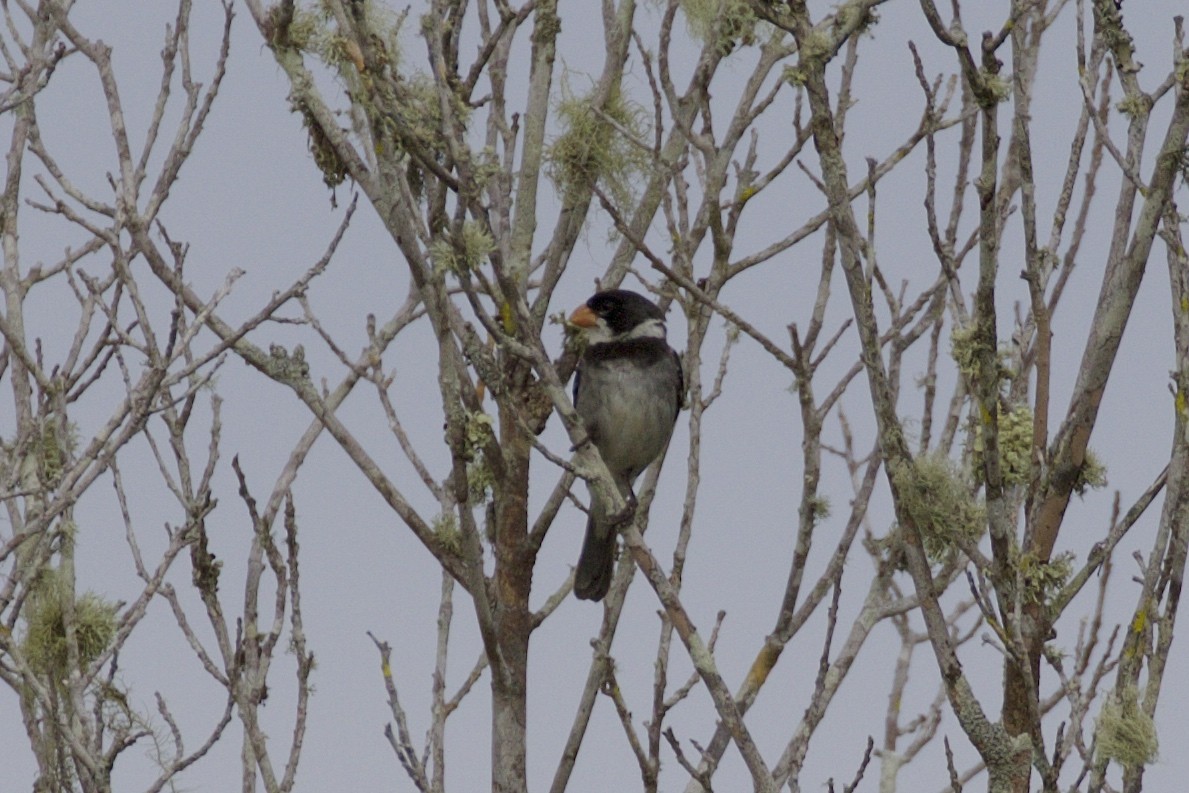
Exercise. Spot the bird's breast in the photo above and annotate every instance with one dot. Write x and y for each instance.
(629, 406)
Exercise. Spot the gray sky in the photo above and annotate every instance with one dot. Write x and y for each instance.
(250, 197)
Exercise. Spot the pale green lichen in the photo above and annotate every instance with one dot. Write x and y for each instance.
(998, 87)
(308, 29)
(819, 507)
(794, 76)
(404, 111)
(967, 349)
(462, 252)
(480, 431)
(1125, 733)
(409, 114)
(445, 528)
(1015, 447)
(847, 14)
(935, 496)
(313, 30)
(816, 46)
(592, 149)
(1092, 474)
(1043, 580)
(971, 349)
(725, 23)
(1015, 454)
(285, 367)
(1133, 105)
(53, 447)
(44, 643)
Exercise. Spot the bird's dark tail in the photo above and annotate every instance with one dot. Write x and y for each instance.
(596, 563)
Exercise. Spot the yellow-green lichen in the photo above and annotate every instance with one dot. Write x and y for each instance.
(1015, 447)
(44, 643)
(794, 76)
(1134, 105)
(998, 88)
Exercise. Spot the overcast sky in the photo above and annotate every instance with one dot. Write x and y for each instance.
(250, 197)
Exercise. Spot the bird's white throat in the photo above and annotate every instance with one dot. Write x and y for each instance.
(648, 329)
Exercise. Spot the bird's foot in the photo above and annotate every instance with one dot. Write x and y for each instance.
(625, 515)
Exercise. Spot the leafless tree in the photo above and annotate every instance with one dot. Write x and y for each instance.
(486, 166)
(132, 381)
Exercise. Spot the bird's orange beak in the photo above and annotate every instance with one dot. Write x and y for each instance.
(583, 317)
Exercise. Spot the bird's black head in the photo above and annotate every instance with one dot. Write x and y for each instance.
(622, 310)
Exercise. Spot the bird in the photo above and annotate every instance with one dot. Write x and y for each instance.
(628, 389)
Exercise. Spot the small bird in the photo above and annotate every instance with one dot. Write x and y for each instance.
(628, 389)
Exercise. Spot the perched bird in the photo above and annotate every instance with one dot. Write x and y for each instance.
(628, 389)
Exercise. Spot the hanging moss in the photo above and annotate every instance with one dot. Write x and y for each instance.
(591, 150)
(313, 30)
(1125, 733)
(937, 499)
(725, 22)
(326, 156)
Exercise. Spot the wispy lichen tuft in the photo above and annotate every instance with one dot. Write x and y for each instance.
(726, 23)
(1125, 733)
(313, 30)
(937, 499)
(592, 149)
(44, 643)
(1092, 474)
(463, 252)
(819, 507)
(445, 528)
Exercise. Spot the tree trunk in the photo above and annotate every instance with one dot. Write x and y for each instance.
(513, 583)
